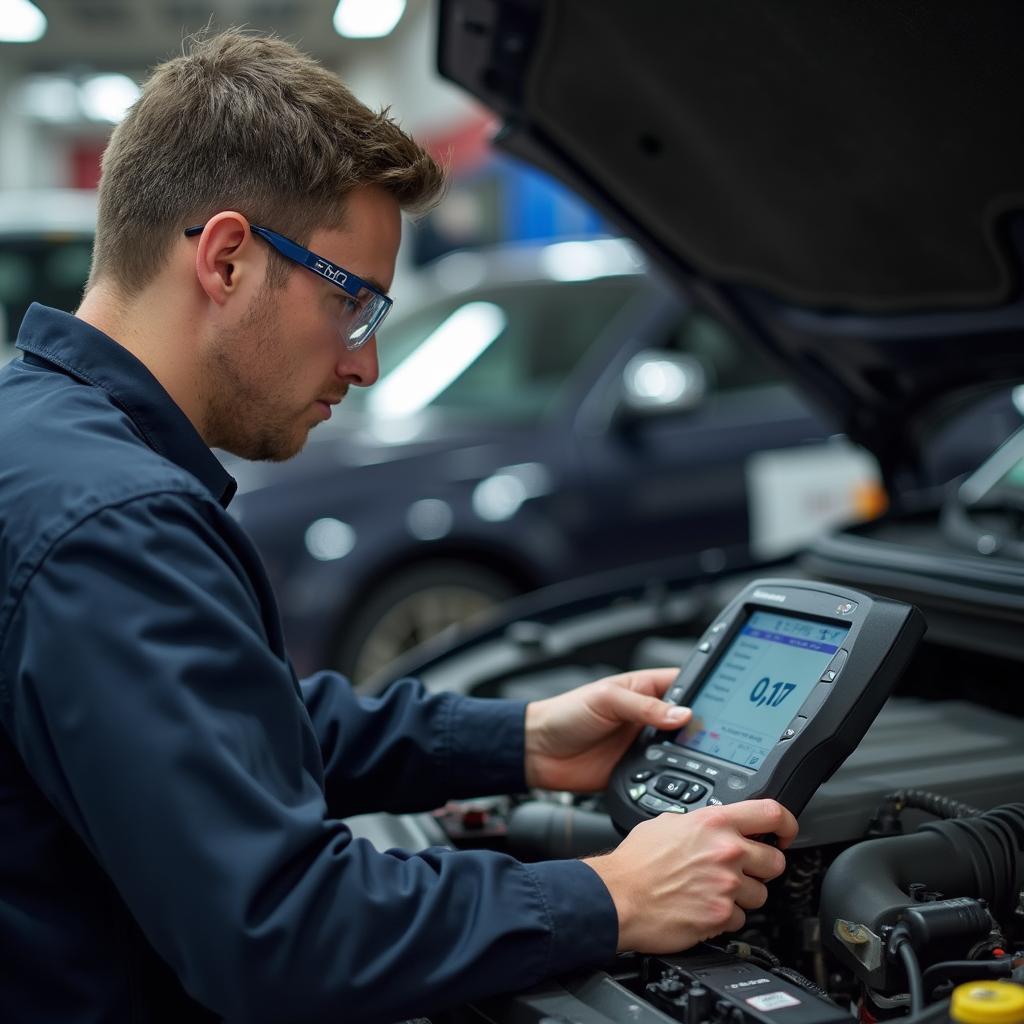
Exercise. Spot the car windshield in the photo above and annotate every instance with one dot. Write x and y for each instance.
(506, 352)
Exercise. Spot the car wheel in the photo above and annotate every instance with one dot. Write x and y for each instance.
(412, 607)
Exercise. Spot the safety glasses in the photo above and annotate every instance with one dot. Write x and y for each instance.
(363, 312)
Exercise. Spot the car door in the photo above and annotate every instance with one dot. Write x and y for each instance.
(672, 479)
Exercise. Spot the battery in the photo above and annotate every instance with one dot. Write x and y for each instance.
(706, 986)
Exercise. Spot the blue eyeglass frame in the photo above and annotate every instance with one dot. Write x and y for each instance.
(348, 282)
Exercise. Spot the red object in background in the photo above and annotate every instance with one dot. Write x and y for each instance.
(465, 146)
(84, 162)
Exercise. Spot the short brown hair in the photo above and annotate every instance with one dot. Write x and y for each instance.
(245, 122)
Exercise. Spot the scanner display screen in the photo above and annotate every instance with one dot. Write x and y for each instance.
(758, 685)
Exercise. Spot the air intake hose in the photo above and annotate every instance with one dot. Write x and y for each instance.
(867, 886)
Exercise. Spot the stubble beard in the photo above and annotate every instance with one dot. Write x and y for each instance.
(244, 375)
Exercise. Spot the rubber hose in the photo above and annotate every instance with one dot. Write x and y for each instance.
(867, 884)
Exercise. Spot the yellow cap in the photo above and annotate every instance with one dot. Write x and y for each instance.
(988, 1002)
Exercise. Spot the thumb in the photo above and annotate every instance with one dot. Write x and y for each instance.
(629, 706)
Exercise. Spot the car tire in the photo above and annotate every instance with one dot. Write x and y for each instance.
(411, 607)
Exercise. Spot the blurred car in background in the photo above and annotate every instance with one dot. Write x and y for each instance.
(542, 413)
(45, 249)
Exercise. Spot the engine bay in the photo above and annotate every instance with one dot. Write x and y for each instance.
(916, 841)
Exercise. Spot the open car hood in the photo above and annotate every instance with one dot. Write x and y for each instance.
(845, 182)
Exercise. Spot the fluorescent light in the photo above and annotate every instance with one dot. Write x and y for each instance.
(21, 22)
(62, 99)
(52, 98)
(438, 360)
(583, 261)
(108, 97)
(367, 19)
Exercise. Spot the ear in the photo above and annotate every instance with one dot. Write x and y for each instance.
(228, 257)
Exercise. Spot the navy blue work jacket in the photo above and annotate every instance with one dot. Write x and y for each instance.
(170, 794)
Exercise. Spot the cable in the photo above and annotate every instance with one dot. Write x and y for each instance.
(910, 964)
(939, 805)
(886, 821)
(938, 1012)
(803, 982)
(758, 954)
(766, 958)
(964, 970)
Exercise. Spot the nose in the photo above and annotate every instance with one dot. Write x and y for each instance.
(360, 367)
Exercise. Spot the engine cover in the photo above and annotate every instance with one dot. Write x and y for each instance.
(955, 748)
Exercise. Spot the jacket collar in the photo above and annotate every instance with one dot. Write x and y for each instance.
(76, 348)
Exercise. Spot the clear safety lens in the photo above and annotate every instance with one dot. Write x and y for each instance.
(362, 316)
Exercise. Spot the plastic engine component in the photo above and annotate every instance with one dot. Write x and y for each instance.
(955, 748)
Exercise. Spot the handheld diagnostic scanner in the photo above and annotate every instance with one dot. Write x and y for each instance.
(783, 685)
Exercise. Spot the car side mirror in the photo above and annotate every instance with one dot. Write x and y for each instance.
(655, 382)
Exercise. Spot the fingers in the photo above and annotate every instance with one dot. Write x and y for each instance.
(652, 681)
(678, 879)
(736, 921)
(763, 817)
(751, 894)
(763, 862)
(621, 704)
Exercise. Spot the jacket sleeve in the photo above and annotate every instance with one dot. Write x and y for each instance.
(150, 711)
(408, 750)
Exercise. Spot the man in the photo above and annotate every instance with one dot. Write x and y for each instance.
(170, 794)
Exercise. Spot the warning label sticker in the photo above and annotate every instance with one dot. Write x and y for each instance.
(768, 1001)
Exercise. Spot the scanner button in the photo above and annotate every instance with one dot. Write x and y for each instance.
(794, 727)
(718, 627)
(675, 695)
(641, 776)
(694, 792)
(670, 785)
(704, 646)
(835, 666)
(654, 804)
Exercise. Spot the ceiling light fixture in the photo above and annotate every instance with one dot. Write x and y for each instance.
(367, 19)
(21, 22)
(108, 97)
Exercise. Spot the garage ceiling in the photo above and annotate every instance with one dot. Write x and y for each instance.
(132, 35)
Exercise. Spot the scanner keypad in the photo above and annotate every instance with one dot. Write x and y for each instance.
(676, 781)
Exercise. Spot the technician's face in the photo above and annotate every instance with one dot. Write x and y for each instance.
(286, 364)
